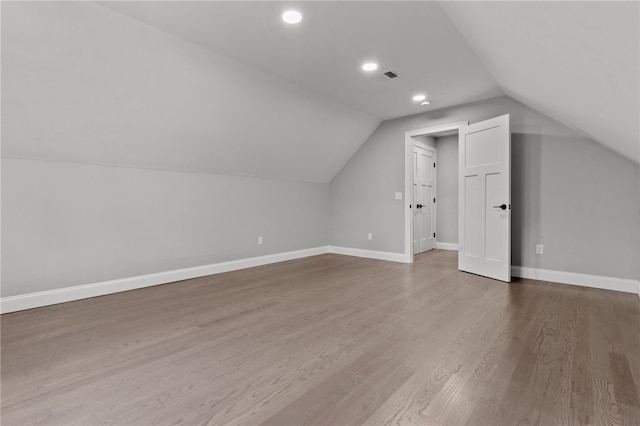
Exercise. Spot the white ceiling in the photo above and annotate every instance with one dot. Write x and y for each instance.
(577, 62)
(85, 84)
(239, 92)
(325, 51)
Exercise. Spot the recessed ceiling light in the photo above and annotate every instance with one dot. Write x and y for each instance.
(370, 66)
(419, 98)
(425, 103)
(292, 16)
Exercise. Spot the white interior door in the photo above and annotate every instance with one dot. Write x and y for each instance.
(484, 227)
(424, 232)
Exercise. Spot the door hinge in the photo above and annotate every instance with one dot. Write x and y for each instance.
(434, 165)
(434, 199)
(409, 205)
(434, 235)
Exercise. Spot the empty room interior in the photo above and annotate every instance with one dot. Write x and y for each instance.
(320, 213)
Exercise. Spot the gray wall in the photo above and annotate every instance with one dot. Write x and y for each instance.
(123, 151)
(447, 189)
(427, 140)
(66, 224)
(578, 198)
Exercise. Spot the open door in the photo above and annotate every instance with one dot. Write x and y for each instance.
(484, 180)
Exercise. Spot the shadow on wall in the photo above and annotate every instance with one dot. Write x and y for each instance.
(525, 198)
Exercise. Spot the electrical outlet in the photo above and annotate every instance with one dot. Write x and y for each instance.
(539, 248)
(259, 240)
(370, 236)
(398, 195)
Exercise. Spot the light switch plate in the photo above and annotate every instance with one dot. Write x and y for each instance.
(398, 195)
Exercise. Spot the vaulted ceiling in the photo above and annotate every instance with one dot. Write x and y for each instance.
(227, 87)
(324, 52)
(577, 62)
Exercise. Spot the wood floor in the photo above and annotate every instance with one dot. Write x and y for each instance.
(328, 340)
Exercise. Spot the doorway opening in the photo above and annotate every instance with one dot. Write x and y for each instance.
(483, 181)
(423, 193)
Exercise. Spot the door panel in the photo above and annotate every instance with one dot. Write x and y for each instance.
(493, 184)
(484, 188)
(483, 147)
(425, 218)
(471, 237)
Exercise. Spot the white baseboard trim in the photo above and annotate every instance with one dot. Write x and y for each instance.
(369, 254)
(52, 297)
(585, 280)
(446, 246)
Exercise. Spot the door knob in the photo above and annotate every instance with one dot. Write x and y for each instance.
(501, 206)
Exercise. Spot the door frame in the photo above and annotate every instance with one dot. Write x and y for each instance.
(434, 153)
(408, 179)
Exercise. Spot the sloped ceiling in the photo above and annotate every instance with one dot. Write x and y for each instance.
(226, 87)
(222, 87)
(324, 52)
(85, 84)
(577, 62)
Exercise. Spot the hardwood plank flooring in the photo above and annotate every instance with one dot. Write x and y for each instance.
(328, 340)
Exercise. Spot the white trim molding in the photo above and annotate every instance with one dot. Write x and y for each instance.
(369, 254)
(446, 246)
(572, 278)
(68, 294)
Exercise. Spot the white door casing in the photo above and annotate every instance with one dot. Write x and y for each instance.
(424, 181)
(484, 191)
(409, 140)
